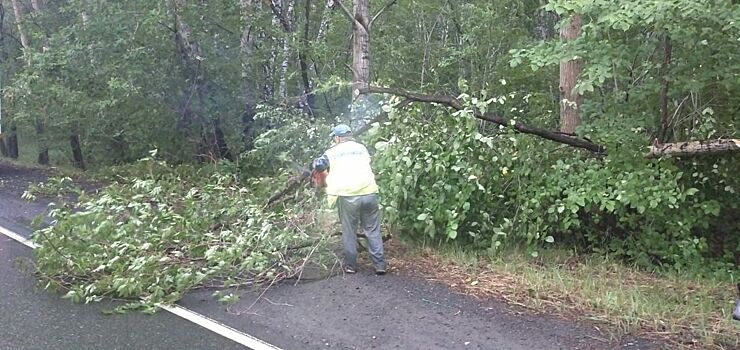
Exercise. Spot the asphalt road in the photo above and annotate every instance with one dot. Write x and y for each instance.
(361, 311)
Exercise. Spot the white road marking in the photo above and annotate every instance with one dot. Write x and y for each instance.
(16, 237)
(192, 316)
(219, 328)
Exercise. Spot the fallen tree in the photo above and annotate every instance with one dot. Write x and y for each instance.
(694, 148)
(454, 103)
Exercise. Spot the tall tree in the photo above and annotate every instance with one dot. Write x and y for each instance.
(3, 146)
(212, 142)
(570, 69)
(361, 28)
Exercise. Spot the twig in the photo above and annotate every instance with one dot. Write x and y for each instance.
(277, 304)
(305, 261)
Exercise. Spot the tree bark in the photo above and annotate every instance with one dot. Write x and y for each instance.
(193, 60)
(360, 60)
(694, 148)
(19, 22)
(3, 58)
(570, 101)
(248, 86)
(74, 142)
(43, 156)
(663, 127)
(309, 98)
(544, 27)
(13, 137)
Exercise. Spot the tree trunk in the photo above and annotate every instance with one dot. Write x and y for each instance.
(663, 127)
(3, 147)
(191, 58)
(287, 17)
(248, 85)
(22, 33)
(693, 148)
(544, 27)
(193, 62)
(570, 101)
(360, 61)
(308, 96)
(74, 142)
(13, 142)
(223, 148)
(13, 137)
(43, 157)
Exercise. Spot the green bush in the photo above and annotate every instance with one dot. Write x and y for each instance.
(446, 177)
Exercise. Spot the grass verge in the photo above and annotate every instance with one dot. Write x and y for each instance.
(679, 311)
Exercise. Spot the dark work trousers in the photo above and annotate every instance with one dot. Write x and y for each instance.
(363, 211)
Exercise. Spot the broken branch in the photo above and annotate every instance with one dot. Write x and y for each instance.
(694, 148)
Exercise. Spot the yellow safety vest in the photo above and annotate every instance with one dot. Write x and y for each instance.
(350, 173)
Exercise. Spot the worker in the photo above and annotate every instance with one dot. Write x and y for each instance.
(350, 185)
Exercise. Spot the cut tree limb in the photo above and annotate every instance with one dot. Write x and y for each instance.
(693, 148)
(493, 118)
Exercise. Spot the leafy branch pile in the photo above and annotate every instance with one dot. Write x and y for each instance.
(150, 238)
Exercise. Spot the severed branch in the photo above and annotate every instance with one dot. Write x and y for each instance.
(694, 148)
(454, 103)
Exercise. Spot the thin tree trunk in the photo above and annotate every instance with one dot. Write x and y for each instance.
(310, 99)
(223, 148)
(3, 58)
(570, 101)
(544, 27)
(360, 60)
(43, 156)
(195, 69)
(12, 145)
(13, 142)
(22, 33)
(663, 128)
(248, 85)
(74, 142)
(287, 17)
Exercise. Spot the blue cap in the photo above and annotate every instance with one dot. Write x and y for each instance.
(341, 130)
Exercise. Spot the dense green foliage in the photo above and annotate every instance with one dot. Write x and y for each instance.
(163, 231)
(125, 78)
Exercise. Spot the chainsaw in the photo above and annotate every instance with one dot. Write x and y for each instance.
(319, 171)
